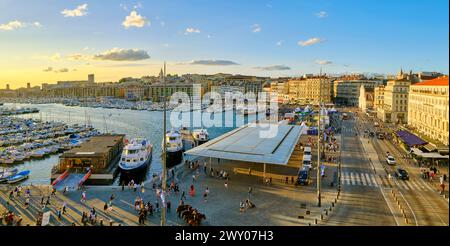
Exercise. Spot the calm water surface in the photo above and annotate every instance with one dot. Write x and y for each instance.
(130, 122)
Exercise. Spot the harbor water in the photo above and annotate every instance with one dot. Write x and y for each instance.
(132, 123)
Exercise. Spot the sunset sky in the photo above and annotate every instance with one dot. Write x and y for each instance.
(51, 40)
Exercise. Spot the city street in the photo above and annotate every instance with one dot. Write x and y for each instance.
(423, 201)
(362, 203)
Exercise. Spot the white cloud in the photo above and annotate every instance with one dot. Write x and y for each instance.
(117, 54)
(166, 45)
(162, 23)
(322, 14)
(310, 41)
(15, 24)
(77, 12)
(134, 20)
(213, 62)
(86, 48)
(208, 36)
(190, 30)
(323, 62)
(273, 68)
(280, 43)
(49, 69)
(77, 56)
(12, 25)
(256, 28)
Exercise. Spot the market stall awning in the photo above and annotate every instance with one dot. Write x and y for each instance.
(410, 139)
(247, 144)
(432, 155)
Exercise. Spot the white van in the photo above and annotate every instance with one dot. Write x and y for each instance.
(307, 161)
(307, 150)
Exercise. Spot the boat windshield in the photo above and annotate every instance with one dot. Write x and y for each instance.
(172, 138)
(130, 151)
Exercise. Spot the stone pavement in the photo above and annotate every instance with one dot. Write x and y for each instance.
(276, 204)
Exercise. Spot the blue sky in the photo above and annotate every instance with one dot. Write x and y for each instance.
(353, 36)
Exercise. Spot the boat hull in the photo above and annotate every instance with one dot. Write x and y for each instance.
(16, 180)
(173, 158)
(135, 169)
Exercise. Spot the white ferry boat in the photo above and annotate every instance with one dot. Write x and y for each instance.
(136, 155)
(200, 136)
(174, 148)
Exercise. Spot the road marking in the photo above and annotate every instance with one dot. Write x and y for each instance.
(413, 182)
(374, 180)
(368, 179)
(408, 183)
(352, 179)
(412, 211)
(401, 183)
(389, 206)
(427, 187)
(357, 180)
(346, 181)
(363, 179)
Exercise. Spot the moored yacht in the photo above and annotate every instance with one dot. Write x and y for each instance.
(136, 155)
(200, 136)
(174, 148)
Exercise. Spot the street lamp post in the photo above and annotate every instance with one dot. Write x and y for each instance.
(319, 202)
(164, 174)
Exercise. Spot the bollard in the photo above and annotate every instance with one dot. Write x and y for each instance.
(404, 215)
(335, 200)
(326, 212)
(309, 224)
(315, 221)
(321, 217)
(308, 212)
(406, 220)
(330, 208)
(332, 204)
(110, 223)
(301, 217)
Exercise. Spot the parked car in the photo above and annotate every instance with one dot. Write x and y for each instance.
(390, 160)
(303, 177)
(402, 174)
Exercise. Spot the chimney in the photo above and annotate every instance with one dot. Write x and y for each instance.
(7, 86)
(28, 85)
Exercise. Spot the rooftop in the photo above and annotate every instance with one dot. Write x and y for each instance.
(97, 145)
(246, 144)
(441, 81)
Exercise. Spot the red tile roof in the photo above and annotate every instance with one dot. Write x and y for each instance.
(441, 81)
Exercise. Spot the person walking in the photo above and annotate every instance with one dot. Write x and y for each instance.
(168, 205)
(205, 195)
(27, 202)
(226, 185)
(183, 195)
(83, 196)
(64, 206)
(250, 192)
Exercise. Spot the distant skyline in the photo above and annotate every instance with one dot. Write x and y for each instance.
(46, 41)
